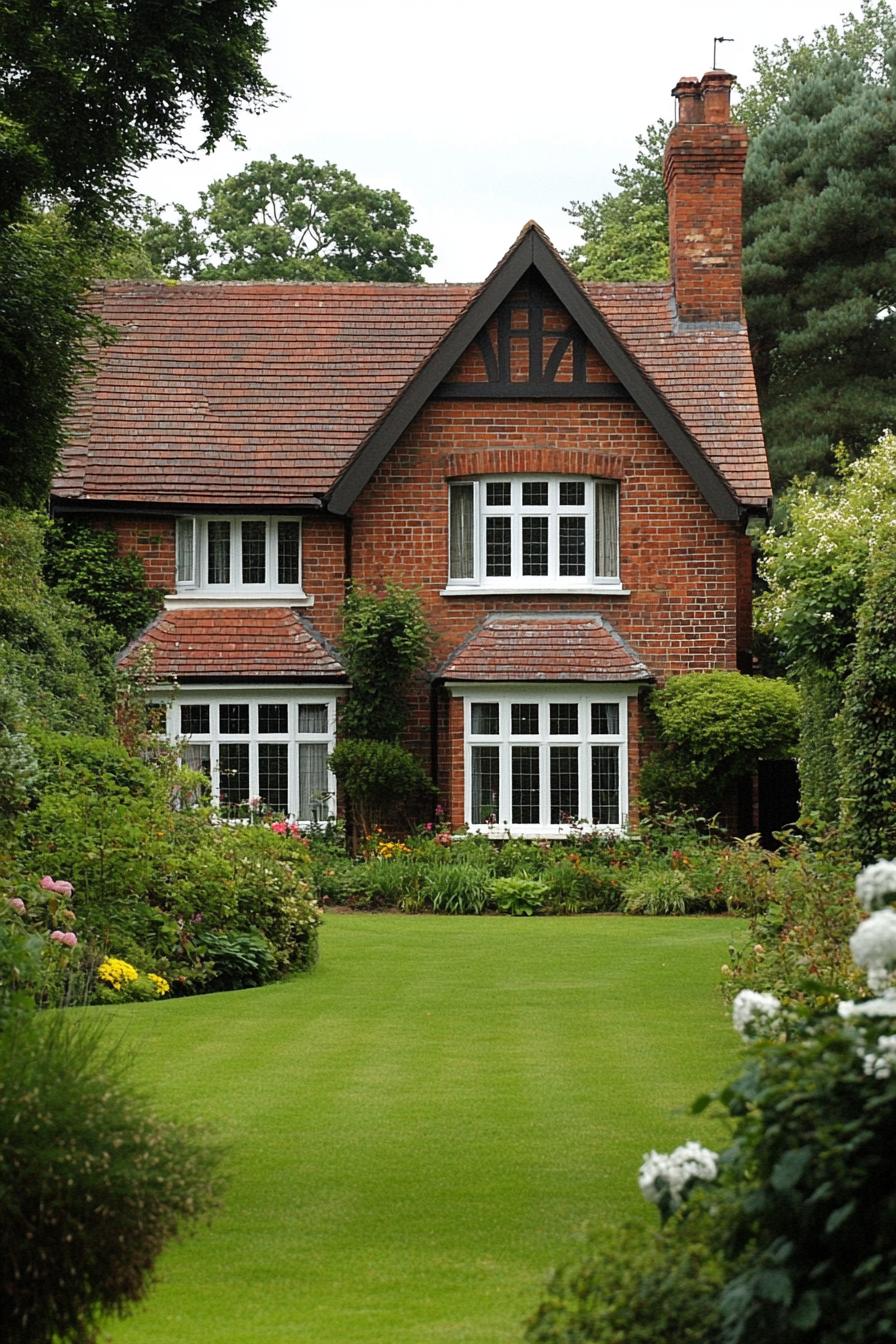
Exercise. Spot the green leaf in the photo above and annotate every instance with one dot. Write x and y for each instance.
(789, 1168)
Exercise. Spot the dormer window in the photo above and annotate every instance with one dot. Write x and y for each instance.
(239, 557)
(534, 533)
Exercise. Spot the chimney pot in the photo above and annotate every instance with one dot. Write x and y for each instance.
(715, 90)
(689, 93)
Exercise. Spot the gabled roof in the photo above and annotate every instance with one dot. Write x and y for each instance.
(273, 643)
(278, 395)
(533, 251)
(554, 647)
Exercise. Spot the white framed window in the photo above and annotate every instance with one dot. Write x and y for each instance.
(538, 758)
(533, 533)
(239, 557)
(267, 744)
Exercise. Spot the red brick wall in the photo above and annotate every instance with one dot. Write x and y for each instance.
(684, 567)
(150, 538)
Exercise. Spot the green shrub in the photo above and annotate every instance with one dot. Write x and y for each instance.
(713, 728)
(54, 655)
(516, 895)
(92, 1184)
(574, 886)
(657, 890)
(82, 563)
(800, 905)
(380, 780)
(456, 889)
(237, 960)
(385, 883)
(385, 641)
(633, 1286)
(868, 736)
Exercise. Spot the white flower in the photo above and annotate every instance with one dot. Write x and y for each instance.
(873, 945)
(882, 1007)
(876, 883)
(668, 1174)
(880, 1065)
(754, 1014)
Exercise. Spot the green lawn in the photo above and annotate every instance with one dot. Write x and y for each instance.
(420, 1128)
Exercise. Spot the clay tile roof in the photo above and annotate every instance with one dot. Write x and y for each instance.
(544, 648)
(228, 642)
(705, 374)
(228, 393)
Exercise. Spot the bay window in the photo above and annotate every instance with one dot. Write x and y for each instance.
(538, 759)
(533, 532)
(239, 557)
(267, 745)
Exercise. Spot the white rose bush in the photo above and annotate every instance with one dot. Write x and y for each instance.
(788, 1234)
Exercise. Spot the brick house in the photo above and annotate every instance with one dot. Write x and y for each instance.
(564, 470)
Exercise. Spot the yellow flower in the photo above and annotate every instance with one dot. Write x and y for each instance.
(116, 972)
(161, 984)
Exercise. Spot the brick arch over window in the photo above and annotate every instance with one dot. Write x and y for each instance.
(533, 460)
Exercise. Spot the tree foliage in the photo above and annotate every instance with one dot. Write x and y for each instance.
(292, 219)
(91, 89)
(625, 232)
(819, 216)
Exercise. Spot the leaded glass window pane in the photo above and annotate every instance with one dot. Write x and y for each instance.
(313, 718)
(572, 494)
(606, 516)
(564, 784)
(288, 552)
(484, 719)
(525, 786)
(524, 720)
(572, 546)
(535, 545)
(273, 718)
(233, 773)
(605, 786)
(497, 547)
(497, 494)
(233, 718)
(604, 720)
(564, 720)
(194, 719)
(462, 528)
(218, 552)
(313, 782)
(485, 784)
(254, 551)
(273, 775)
(186, 550)
(535, 494)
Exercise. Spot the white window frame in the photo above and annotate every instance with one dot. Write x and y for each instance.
(194, 589)
(293, 697)
(544, 694)
(553, 582)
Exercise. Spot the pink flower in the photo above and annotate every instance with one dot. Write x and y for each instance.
(278, 827)
(48, 884)
(69, 939)
(57, 936)
(63, 888)
(16, 903)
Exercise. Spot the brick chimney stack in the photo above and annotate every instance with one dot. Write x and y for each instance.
(703, 170)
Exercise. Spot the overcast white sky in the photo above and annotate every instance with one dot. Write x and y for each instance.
(484, 113)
